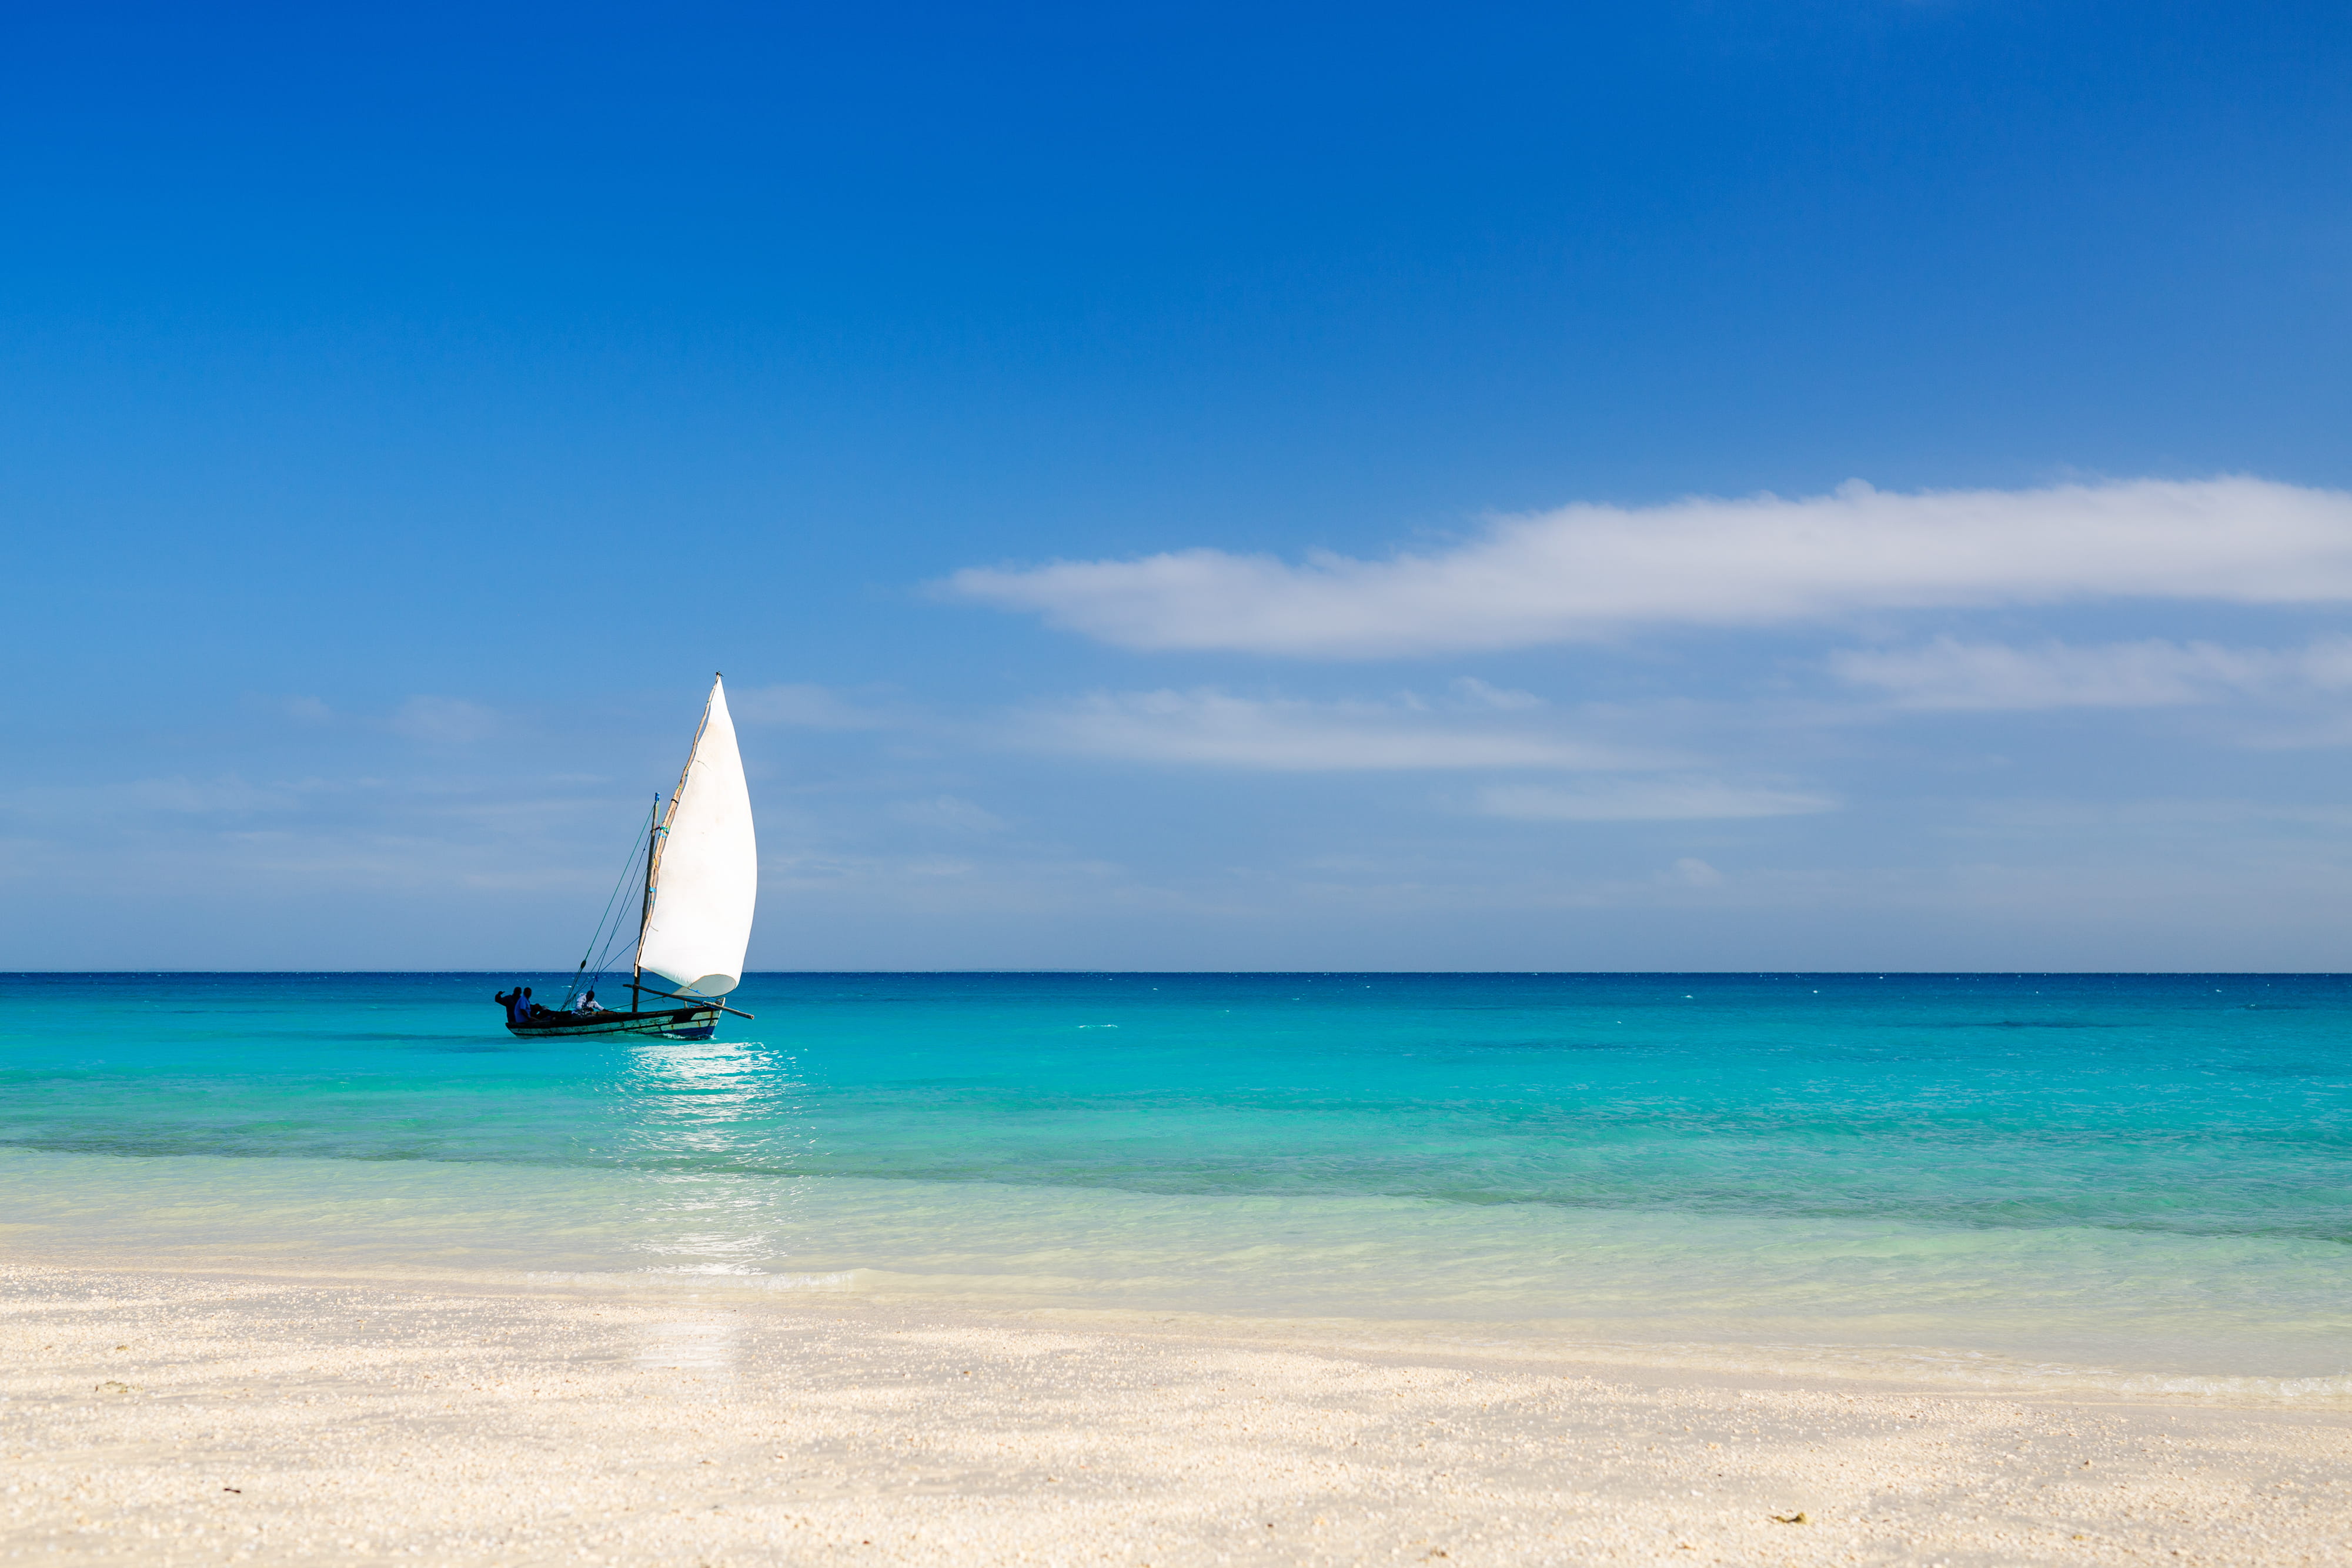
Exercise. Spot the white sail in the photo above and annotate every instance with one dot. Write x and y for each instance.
(705, 876)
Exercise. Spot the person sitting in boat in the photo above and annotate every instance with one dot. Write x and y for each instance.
(588, 1004)
(512, 1002)
(532, 1009)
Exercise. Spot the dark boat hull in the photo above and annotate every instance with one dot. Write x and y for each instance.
(669, 1023)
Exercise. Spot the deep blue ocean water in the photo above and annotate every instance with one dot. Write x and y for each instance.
(2122, 1176)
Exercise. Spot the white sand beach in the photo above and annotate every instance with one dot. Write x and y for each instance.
(165, 1418)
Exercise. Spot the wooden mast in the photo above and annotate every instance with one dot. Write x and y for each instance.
(645, 909)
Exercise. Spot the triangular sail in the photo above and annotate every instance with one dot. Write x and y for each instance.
(706, 869)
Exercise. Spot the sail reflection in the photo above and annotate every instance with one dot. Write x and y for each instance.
(716, 1127)
(712, 1105)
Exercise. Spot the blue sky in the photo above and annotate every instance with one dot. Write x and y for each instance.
(402, 410)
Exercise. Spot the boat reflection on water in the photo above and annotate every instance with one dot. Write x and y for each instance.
(716, 1129)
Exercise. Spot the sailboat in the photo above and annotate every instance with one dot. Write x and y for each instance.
(694, 905)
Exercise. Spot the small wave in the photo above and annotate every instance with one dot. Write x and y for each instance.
(1983, 1370)
(845, 1279)
(2224, 1387)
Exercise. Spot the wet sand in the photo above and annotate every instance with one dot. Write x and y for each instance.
(187, 1418)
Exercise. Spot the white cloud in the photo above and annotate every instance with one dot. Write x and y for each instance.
(1951, 674)
(1287, 734)
(1587, 572)
(1646, 800)
(1689, 873)
(1471, 692)
(444, 721)
(811, 707)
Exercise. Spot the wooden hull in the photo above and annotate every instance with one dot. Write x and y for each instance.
(669, 1023)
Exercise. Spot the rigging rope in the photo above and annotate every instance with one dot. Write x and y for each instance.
(637, 853)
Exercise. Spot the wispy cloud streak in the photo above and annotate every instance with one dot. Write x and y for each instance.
(1950, 675)
(1287, 734)
(1591, 572)
(1672, 800)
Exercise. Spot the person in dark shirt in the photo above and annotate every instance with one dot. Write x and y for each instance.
(512, 1001)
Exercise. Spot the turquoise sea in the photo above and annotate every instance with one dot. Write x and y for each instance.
(2138, 1182)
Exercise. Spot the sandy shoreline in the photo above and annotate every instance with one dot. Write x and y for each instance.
(162, 1418)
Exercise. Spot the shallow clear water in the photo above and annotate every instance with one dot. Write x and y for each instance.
(2145, 1179)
